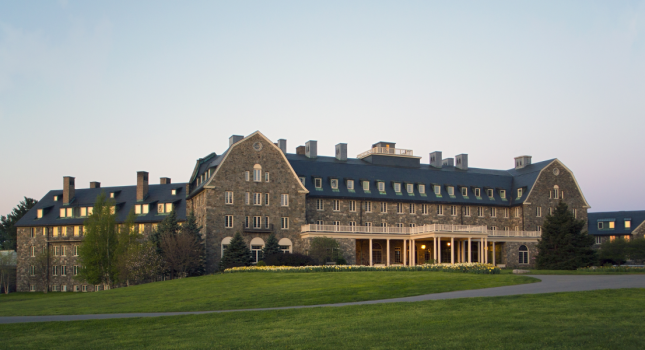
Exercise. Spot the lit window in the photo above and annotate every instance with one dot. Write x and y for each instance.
(422, 189)
(137, 209)
(62, 212)
(464, 191)
(228, 197)
(350, 184)
(111, 194)
(334, 184)
(451, 191)
(39, 214)
(55, 198)
(628, 224)
(173, 192)
(112, 210)
(410, 188)
(366, 185)
(318, 182)
(77, 231)
(397, 187)
(284, 200)
(612, 224)
(284, 223)
(381, 186)
(90, 211)
(141, 228)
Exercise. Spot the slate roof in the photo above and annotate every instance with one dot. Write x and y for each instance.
(359, 170)
(126, 198)
(203, 164)
(637, 217)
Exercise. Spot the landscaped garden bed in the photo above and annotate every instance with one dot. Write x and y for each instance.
(464, 268)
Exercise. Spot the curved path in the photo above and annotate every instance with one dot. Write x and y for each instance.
(549, 284)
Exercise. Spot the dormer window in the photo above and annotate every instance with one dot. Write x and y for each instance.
(164, 208)
(334, 184)
(318, 182)
(422, 189)
(628, 223)
(302, 180)
(56, 198)
(489, 192)
(381, 186)
(140, 209)
(173, 192)
(451, 191)
(502, 194)
(410, 188)
(111, 194)
(350, 184)
(397, 187)
(478, 192)
(437, 189)
(519, 193)
(366, 185)
(464, 191)
(39, 214)
(66, 212)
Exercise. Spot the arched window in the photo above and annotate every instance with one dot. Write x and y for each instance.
(377, 253)
(225, 242)
(556, 192)
(285, 245)
(524, 254)
(257, 244)
(257, 173)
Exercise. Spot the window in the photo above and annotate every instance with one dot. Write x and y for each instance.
(63, 270)
(319, 204)
(266, 199)
(266, 222)
(399, 208)
(598, 240)
(480, 211)
(366, 185)
(335, 204)
(424, 209)
(413, 225)
(506, 212)
(33, 251)
(550, 211)
(350, 184)
(284, 223)
(319, 222)
(168, 207)
(302, 180)
(467, 211)
(539, 228)
(612, 224)
(228, 197)
(397, 255)
(32, 270)
(334, 184)
(55, 198)
(381, 186)
(111, 194)
(556, 191)
(84, 211)
(439, 210)
(225, 243)
(368, 224)
(55, 232)
(493, 228)
(628, 224)
(437, 189)
(90, 211)
(453, 210)
(138, 209)
(84, 288)
(575, 213)
(383, 207)
(247, 222)
(397, 187)
(464, 191)
(285, 245)
(228, 221)
(54, 270)
(266, 176)
(478, 192)
(489, 192)
(56, 251)
(412, 208)
(173, 192)
(77, 231)
(39, 214)
(352, 224)
(75, 250)
(538, 211)
(352, 206)
(502, 194)
(410, 188)
(524, 254)
(422, 189)
(399, 225)
(257, 198)
(519, 193)
(493, 212)
(368, 207)
(451, 191)
(32, 232)
(318, 182)
(257, 222)
(517, 212)
(247, 198)
(257, 173)
(247, 176)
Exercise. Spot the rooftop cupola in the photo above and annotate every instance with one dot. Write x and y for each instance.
(341, 151)
(311, 149)
(448, 162)
(461, 161)
(435, 159)
(386, 153)
(522, 161)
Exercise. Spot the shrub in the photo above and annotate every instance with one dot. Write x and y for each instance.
(294, 259)
(341, 261)
(613, 252)
(261, 263)
(325, 249)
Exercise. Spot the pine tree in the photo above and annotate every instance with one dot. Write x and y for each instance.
(237, 253)
(8, 230)
(271, 247)
(193, 229)
(563, 245)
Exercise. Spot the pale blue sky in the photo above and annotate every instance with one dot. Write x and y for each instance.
(101, 90)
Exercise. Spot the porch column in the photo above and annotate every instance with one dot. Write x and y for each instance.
(486, 250)
(470, 246)
(370, 252)
(452, 250)
(388, 253)
(434, 248)
(413, 259)
(405, 252)
(494, 253)
(438, 250)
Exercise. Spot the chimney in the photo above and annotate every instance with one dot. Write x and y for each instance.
(462, 161)
(164, 180)
(142, 185)
(234, 139)
(341, 152)
(68, 189)
(435, 159)
(448, 162)
(282, 144)
(522, 161)
(311, 149)
(300, 150)
(95, 184)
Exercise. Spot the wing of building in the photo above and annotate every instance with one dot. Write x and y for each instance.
(606, 226)
(383, 206)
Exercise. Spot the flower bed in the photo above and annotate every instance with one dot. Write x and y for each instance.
(612, 269)
(464, 268)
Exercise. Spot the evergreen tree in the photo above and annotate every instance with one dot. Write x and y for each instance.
(98, 252)
(237, 253)
(8, 230)
(169, 225)
(271, 247)
(563, 245)
(193, 229)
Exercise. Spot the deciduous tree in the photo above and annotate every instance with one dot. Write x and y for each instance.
(8, 230)
(7, 271)
(181, 253)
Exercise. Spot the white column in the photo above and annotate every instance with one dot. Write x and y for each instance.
(370, 252)
(486, 250)
(438, 250)
(388, 253)
(434, 248)
(405, 252)
(494, 253)
(470, 255)
(452, 250)
(413, 251)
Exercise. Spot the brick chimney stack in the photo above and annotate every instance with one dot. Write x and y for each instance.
(95, 184)
(164, 180)
(68, 189)
(142, 185)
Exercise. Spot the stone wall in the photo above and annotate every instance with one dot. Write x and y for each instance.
(511, 254)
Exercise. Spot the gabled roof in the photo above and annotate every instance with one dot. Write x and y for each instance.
(125, 201)
(637, 217)
(360, 170)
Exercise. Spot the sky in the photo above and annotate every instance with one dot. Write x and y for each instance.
(101, 90)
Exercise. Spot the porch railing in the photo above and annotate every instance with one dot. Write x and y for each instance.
(386, 150)
(416, 230)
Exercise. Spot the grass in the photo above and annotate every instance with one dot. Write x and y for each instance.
(605, 319)
(251, 290)
(571, 272)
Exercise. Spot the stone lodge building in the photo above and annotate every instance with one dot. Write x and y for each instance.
(384, 207)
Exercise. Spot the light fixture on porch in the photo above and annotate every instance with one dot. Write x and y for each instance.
(423, 246)
(448, 244)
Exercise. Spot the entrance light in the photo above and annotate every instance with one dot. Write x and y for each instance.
(448, 244)
(423, 246)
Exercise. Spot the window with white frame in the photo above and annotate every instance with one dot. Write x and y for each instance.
(266, 222)
(352, 224)
(464, 191)
(399, 225)
(247, 198)
(467, 211)
(437, 189)
(451, 191)
(318, 182)
(453, 210)
(422, 189)
(285, 245)
(506, 229)
(139, 209)
(54, 270)
(368, 207)
(334, 184)
(256, 249)
(410, 188)
(228, 221)
(424, 209)
(517, 212)
(33, 251)
(350, 184)
(257, 173)
(335, 203)
(247, 221)
(368, 224)
(550, 211)
(489, 192)
(257, 222)
(575, 214)
(228, 197)
(352, 206)
(539, 228)
(75, 250)
(266, 176)
(32, 270)
(247, 176)
(413, 225)
(506, 212)
(381, 186)
(302, 180)
(519, 193)
(383, 207)
(598, 240)
(284, 200)
(284, 223)
(439, 209)
(493, 228)
(556, 192)
(478, 192)
(366, 185)
(538, 211)
(319, 222)
(63, 270)
(397, 187)
(319, 204)
(480, 212)
(399, 208)
(266, 199)
(524, 254)
(412, 208)
(493, 212)
(502, 194)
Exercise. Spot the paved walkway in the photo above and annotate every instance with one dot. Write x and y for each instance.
(549, 284)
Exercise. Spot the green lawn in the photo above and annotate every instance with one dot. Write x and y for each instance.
(606, 319)
(251, 290)
(571, 272)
